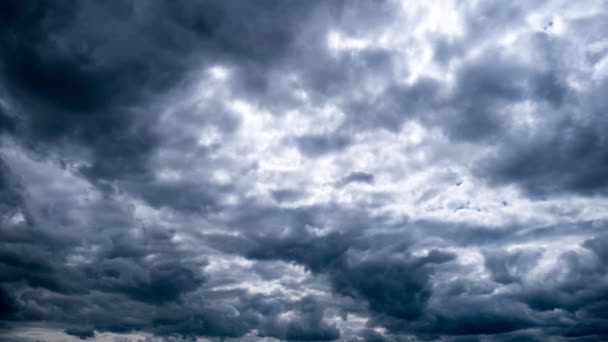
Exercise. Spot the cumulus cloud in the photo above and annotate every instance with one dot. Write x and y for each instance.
(303, 171)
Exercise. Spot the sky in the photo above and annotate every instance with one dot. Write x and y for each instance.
(345, 170)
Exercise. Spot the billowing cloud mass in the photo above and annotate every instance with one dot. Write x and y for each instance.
(303, 170)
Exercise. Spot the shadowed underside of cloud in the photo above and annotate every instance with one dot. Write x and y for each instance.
(304, 170)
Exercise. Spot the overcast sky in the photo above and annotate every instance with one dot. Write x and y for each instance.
(349, 170)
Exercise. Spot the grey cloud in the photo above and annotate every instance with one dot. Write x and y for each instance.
(286, 195)
(564, 158)
(396, 288)
(509, 267)
(7, 123)
(94, 113)
(81, 332)
(88, 86)
(317, 145)
(356, 177)
(158, 283)
(398, 104)
(308, 326)
(8, 304)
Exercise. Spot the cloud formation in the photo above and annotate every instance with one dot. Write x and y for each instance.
(303, 171)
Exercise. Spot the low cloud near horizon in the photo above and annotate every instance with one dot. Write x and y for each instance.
(303, 170)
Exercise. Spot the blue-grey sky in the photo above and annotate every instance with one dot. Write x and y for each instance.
(349, 170)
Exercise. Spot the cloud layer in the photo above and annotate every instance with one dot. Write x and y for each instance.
(303, 171)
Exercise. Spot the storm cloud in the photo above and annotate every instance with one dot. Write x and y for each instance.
(303, 171)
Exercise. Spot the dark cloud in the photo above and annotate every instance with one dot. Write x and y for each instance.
(74, 72)
(509, 267)
(398, 288)
(286, 195)
(356, 177)
(490, 318)
(306, 326)
(157, 177)
(295, 246)
(157, 284)
(7, 303)
(7, 123)
(398, 104)
(81, 332)
(395, 286)
(562, 154)
(569, 162)
(318, 145)
(11, 197)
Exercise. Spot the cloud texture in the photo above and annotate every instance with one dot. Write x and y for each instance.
(303, 170)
